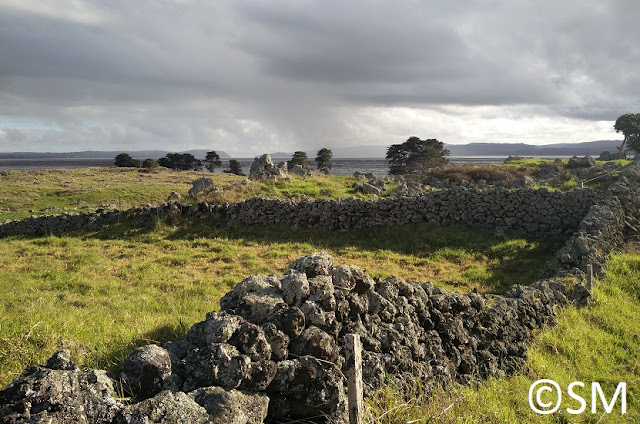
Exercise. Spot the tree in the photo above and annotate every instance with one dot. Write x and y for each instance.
(150, 163)
(323, 160)
(299, 158)
(212, 161)
(235, 168)
(181, 161)
(629, 125)
(415, 155)
(125, 160)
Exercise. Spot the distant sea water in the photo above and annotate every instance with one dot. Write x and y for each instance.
(340, 166)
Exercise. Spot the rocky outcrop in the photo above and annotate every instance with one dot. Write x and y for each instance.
(264, 168)
(201, 187)
(576, 162)
(300, 171)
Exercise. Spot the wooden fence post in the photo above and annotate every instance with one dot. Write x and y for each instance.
(589, 277)
(353, 356)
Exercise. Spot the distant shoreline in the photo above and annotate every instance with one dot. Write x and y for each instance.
(341, 166)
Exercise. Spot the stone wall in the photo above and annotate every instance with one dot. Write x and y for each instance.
(606, 226)
(517, 212)
(276, 351)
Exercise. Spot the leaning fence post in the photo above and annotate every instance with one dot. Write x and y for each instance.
(353, 356)
(589, 277)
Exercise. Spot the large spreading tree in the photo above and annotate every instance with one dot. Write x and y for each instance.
(323, 160)
(415, 155)
(629, 125)
(181, 161)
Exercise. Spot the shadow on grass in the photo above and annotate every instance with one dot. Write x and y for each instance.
(512, 260)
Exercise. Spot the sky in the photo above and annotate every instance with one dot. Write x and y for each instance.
(254, 76)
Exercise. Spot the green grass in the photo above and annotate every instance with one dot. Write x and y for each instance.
(596, 344)
(39, 192)
(535, 162)
(103, 293)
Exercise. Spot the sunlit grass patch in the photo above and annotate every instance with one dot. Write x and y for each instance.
(600, 344)
(103, 293)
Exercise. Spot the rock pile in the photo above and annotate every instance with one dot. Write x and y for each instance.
(276, 350)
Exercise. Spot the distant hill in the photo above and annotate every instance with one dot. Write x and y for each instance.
(593, 148)
(98, 154)
(493, 149)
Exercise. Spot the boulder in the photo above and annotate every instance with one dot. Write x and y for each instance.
(175, 196)
(363, 175)
(61, 360)
(378, 183)
(55, 396)
(524, 181)
(576, 162)
(165, 407)
(307, 387)
(300, 171)
(146, 370)
(370, 189)
(201, 187)
(232, 406)
(264, 168)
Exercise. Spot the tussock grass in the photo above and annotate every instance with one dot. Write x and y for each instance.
(596, 344)
(103, 293)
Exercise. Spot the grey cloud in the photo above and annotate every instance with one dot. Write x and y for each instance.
(287, 73)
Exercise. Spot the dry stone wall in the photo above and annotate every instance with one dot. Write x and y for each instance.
(517, 212)
(606, 226)
(276, 351)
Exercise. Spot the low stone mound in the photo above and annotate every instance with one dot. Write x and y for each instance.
(276, 351)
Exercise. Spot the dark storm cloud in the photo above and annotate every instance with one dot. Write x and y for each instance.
(279, 74)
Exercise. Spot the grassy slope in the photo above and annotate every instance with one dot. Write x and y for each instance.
(600, 343)
(100, 294)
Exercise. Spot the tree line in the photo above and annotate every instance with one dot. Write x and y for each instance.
(188, 162)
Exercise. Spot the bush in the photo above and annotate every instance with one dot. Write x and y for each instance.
(124, 160)
(150, 163)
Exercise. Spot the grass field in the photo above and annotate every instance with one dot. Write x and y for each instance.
(39, 192)
(101, 294)
(596, 344)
